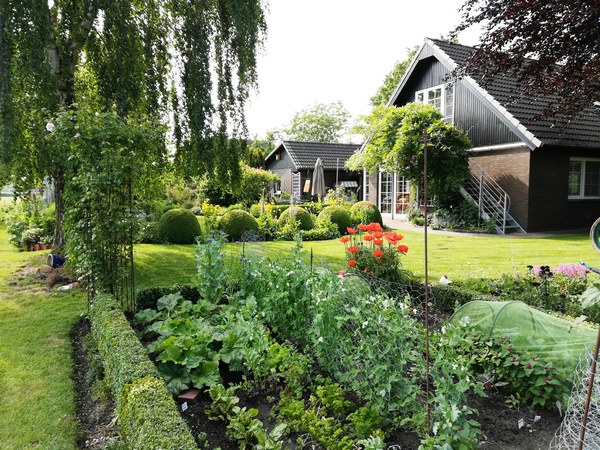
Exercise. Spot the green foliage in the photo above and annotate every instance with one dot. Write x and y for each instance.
(324, 230)
(305, 219)
(179, 226)
(396, 144)
(448, 298)
(236, 222)
(211, 275)
(320, 123)
(148, 298)
(392, 79)
(30, 222)
(111, 170)
(255, 184)
(461, 215)
(148, 417)
(529, 378)
(123, 357)
(337, 215)
(365, 212)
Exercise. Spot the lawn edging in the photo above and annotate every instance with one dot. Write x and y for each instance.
(146, 413)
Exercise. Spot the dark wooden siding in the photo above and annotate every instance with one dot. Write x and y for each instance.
(482, 125)
(549, 206)
(429, 72)
(284, 163)
(470, 113)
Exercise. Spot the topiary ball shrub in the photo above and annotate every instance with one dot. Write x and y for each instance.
(306, 219)
(365, 212)
(235, 223)
(338, 215)
(178, 226)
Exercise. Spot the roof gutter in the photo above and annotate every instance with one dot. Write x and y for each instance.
(492, 148)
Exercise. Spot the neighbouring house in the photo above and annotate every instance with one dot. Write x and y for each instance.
(528, 172)
(294, 163)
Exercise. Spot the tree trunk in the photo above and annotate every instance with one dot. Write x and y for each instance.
(59, 204)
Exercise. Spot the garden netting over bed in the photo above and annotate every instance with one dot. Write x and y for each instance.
(552, 338)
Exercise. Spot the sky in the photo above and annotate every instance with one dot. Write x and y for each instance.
(324, 51)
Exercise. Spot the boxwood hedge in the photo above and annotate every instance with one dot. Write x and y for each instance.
(145, 411)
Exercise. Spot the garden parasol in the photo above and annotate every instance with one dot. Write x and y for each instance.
(318, 179)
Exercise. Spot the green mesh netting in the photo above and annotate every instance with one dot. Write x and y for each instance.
(554, 339)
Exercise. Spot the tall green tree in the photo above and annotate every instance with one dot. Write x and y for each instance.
(323, 122)
(192, 60)
(395, 142)
(392, 79)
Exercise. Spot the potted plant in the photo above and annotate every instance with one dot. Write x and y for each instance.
(31, 238)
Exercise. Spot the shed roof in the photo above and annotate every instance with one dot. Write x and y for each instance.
(305, 154)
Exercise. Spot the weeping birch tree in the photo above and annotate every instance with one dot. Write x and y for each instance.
(189, 64)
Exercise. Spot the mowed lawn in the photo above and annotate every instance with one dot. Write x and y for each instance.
(37, 401)
(456, 255)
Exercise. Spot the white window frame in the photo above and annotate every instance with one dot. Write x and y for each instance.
(449, 119)
(581, 195)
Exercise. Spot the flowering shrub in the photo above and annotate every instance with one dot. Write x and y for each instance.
(370, 250)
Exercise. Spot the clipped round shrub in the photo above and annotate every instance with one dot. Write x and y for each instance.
(365, 212)
(256, 210)
(235, 223)
(306, 219)
(178, 226)
(338, 215)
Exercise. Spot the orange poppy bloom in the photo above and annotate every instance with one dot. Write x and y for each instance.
(368, 237)
(352, 263)
(377, 253)
(353, 249)
(351, 230)
(378, 234)
(363, 227)
(345, 239)
(403, 248)
(378, 241)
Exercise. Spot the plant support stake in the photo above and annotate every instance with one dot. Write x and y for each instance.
(425, 146)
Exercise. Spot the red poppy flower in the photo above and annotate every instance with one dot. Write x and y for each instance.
(345, 239)
(378, 241)
(367, 270)
(352, 263)
(351, 230)
(403, 248)
(353, 249)
(391, 240)
(368, 237)
(377, 253)
(378, 234)
(363, 227)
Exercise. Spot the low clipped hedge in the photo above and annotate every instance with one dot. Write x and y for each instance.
(147, 298)
(149, 418)
(235, 223)
(146, 413)
(305, 218)
(179, 226)
(338, 215)
(365, 212)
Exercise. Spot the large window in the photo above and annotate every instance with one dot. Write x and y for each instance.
(386, 192)
(584, 178)
(441, 98)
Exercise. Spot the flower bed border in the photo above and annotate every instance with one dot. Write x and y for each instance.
(145, 411)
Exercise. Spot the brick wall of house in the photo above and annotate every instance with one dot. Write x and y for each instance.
(550, 208)
(510, 169)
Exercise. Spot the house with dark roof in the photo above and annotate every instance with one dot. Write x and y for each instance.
(294, 163)
(529, 172)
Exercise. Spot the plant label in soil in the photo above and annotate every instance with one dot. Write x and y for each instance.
(184, 406)
(521, 423)
(536, 419)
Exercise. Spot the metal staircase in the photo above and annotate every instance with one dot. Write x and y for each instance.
(493, 201)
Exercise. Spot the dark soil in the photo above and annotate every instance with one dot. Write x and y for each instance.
(94, 412)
